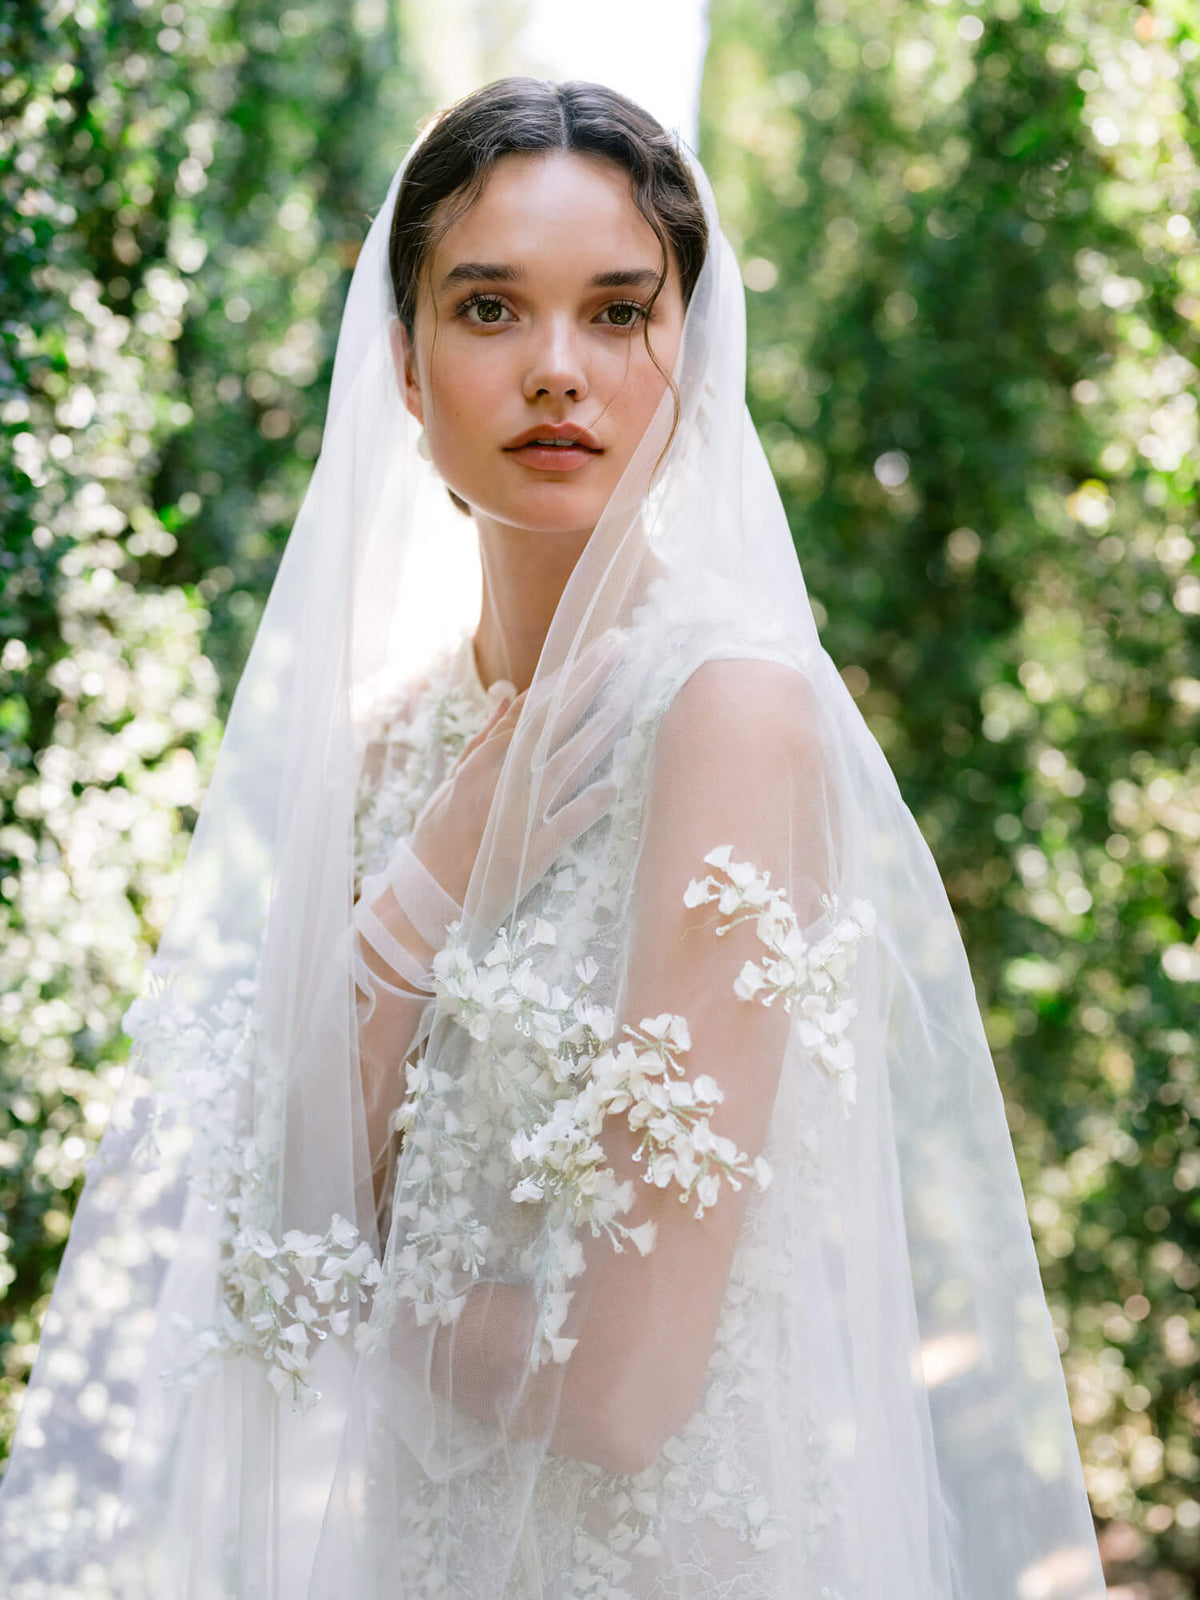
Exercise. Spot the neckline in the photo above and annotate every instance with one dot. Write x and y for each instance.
(469, 670)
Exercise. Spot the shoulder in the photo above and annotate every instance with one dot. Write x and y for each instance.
(738, 759)
(745, 703)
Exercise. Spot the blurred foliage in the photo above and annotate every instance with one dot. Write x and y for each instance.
(974, 324)
(184, 190)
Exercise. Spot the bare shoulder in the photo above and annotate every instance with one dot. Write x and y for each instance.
(738, 759)
(743, 704)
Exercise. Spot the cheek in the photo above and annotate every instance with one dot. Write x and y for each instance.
(461, 391)
(637, 397)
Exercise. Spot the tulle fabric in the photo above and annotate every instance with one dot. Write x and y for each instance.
(368, 1295)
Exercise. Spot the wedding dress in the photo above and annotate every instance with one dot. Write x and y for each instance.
(644, 1227)
(696, 1518)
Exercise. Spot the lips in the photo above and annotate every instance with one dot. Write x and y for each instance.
(556, 435)
(554, 447)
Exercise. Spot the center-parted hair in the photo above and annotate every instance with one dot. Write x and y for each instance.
(526, 116)
(529, 116)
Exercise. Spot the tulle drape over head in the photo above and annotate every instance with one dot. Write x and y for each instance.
(656, 1234)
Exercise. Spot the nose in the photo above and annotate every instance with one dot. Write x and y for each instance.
(556, 369)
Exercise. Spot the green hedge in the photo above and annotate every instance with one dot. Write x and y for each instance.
(184, 189)
(968, 236)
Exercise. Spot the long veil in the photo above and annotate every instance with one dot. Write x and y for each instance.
(828, 1372)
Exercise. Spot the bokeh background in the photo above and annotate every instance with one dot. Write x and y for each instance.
(968, 240)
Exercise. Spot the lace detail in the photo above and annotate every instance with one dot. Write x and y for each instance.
(279, 1297)
(531, 1021)
(810, 977)
(542, 1086)
(512, 1135)
(541, 1074)
(418, 733)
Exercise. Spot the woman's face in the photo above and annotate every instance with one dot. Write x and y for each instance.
(528, 367)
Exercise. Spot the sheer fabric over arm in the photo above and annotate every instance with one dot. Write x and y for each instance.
(736, 757)
(632, 1343)
(399, 925)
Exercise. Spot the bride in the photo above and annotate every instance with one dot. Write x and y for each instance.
(560, 1155)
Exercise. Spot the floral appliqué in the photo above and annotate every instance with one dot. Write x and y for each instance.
(278, 1298)
(548, 1076)
(550, 1059)
(811, 977)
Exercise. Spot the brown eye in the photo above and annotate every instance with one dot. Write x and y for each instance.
(483, 309)
(624, 313)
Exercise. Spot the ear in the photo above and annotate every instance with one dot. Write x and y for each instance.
(406, 369)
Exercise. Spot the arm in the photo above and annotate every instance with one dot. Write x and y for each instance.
(399, 924)
(737, 762)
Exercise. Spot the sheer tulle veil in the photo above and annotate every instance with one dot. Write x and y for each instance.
(242, 1387)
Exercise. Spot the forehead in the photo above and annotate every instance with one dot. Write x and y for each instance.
(557, 212)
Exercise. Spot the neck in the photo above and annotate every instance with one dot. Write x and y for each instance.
(524, 575)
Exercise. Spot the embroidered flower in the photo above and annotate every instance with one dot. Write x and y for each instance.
(278, 1298)
(418, 737)
(811, 977)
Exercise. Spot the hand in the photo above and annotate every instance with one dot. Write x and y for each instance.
(450, 825)
(448, 832)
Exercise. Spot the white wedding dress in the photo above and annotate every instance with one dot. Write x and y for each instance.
(366, 1297)
(746, 1493)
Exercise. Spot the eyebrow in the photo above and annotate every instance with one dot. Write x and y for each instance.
(501, 272)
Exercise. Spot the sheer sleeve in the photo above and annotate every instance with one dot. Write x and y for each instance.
(399, 924)
(736, 764)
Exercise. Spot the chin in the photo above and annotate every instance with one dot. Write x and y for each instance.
(551, 508)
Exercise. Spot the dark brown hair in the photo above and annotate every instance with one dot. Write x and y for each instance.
(527, 116)
(521, 116)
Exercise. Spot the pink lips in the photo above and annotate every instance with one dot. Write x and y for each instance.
(554, 447)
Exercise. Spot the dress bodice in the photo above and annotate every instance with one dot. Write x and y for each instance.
(706, 1517)
(415, 732)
